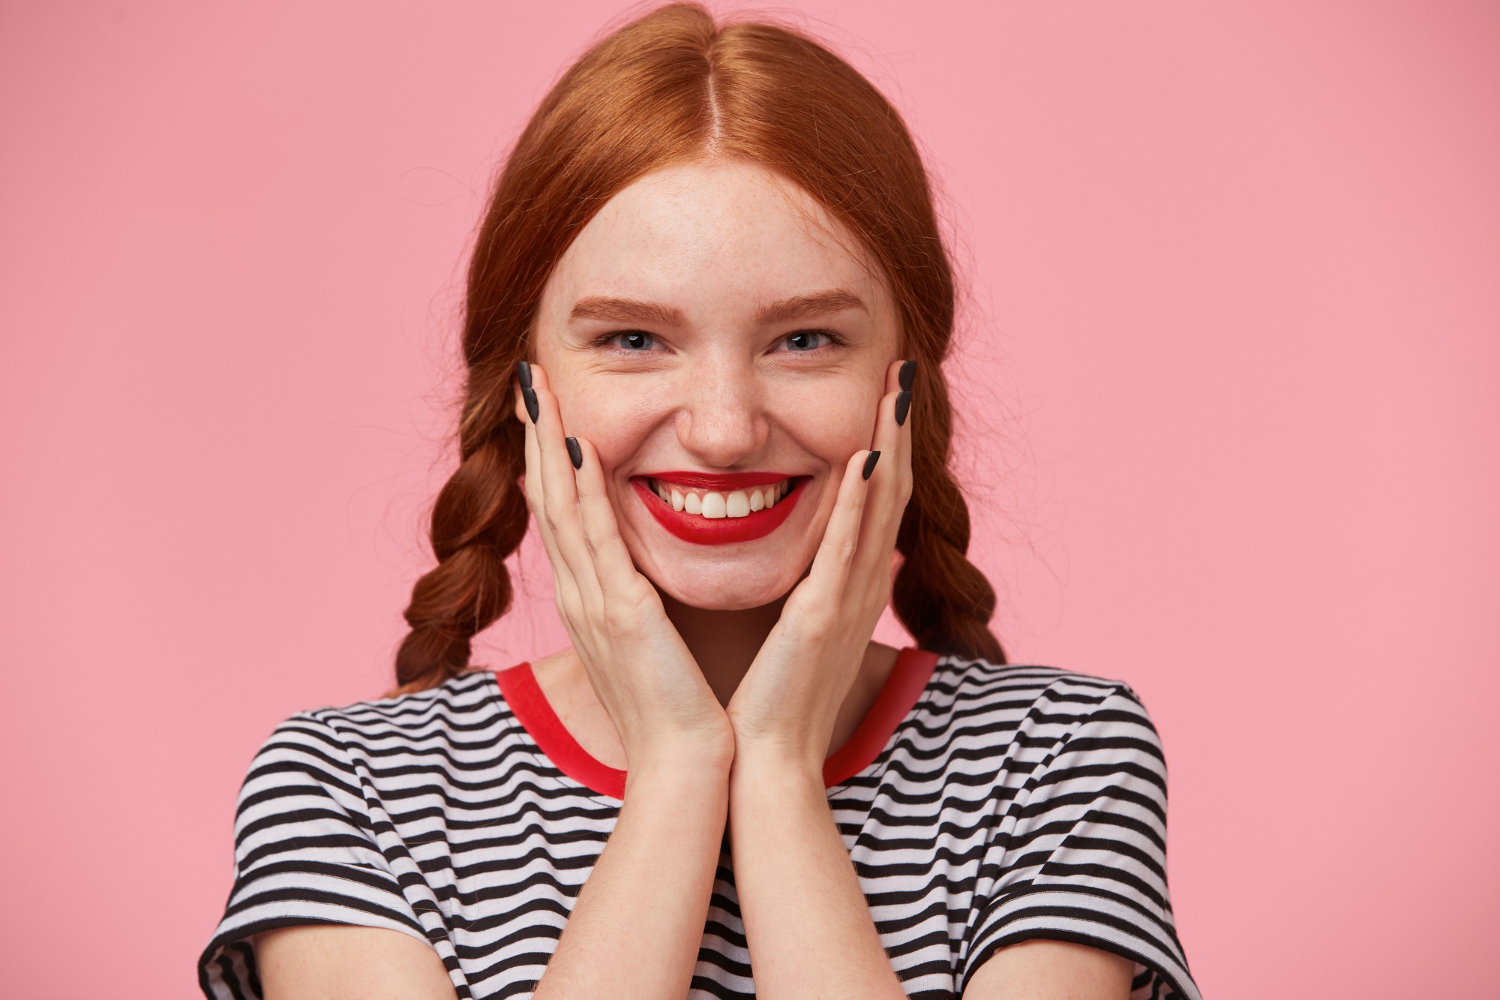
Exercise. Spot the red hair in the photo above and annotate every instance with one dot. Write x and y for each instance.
(667, 88)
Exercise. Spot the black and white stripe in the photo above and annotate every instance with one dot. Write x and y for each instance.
(1012, 802)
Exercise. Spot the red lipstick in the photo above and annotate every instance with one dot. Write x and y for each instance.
(718, 530)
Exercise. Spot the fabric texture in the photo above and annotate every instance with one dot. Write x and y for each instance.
(982, 805)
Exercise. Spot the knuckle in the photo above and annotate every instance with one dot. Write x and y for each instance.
(609, 537)
(621, 618)
(611, 619)
(599, 539)
(553, 515)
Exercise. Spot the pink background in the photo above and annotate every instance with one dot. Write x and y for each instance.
(1231, 376)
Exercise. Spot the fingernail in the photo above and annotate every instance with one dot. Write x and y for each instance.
(870, 463)
(908, 374)
(903, 403)
(529, 394)
(523, 372)
(574, 452)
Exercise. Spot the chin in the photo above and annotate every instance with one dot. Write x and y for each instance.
(725, 588)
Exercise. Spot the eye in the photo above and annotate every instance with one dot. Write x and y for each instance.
(630, 341)
(810, 340)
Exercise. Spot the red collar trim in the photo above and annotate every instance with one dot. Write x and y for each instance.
(907, 680)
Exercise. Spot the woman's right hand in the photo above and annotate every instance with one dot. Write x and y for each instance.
(641, 670)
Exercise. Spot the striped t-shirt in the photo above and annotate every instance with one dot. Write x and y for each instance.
(981, 805)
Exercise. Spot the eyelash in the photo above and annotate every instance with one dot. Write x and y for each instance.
(834, 340)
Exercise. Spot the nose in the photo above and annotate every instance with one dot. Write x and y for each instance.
(721, 420)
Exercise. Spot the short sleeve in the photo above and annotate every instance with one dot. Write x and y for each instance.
(1079, 853)
(305, 853)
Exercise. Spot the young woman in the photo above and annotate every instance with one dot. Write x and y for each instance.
(706, 322)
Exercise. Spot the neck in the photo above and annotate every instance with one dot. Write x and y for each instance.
(723, 642)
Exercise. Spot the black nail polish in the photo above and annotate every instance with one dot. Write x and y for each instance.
(523, 373)
(529, 395)
(908, 374)
(903, 403)
(575, 453)
(870, 463)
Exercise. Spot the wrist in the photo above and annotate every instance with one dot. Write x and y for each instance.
(775, 763)
(680, 776)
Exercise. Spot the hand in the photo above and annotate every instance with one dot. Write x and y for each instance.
(641, 670)
(789, 699)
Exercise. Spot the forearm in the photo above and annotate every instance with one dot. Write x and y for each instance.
(809, 927)
(638, 922)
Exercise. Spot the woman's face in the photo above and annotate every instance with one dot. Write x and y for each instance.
(711, 336)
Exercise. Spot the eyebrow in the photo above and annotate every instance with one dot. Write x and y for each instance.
(620, 310)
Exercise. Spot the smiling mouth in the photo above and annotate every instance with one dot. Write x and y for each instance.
(719, 509)
(713, 504)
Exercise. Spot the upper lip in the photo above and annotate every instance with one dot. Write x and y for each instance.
(720, 480)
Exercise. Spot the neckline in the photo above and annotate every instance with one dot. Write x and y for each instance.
(905, 684)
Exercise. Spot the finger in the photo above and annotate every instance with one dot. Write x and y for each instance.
(565, 588)
(601, 529)
(906, 380)
(900, 379)
(835, 555)
(893, 421)
(890, 484)
(560, 488)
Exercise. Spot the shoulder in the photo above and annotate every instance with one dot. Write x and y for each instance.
(1020, 717)
(342, 746)
(1032, 688)
(343, 758)
(462, 692)
(459, 700)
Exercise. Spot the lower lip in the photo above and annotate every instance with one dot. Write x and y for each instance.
(718, 530)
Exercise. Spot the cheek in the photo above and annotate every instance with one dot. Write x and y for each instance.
(833, 419)
(614, 422)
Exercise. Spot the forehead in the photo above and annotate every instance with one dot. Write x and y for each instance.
(711, 237)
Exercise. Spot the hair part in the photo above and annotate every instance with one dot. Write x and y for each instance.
(687, 90)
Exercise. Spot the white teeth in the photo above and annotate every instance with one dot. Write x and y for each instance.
(707, 503)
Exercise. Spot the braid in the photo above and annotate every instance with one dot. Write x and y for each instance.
(941, 598)
(479, 519)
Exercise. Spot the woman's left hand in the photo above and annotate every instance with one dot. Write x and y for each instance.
(788, 702)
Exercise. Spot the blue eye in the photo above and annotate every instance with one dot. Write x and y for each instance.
(632, 341)
(808, 340)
